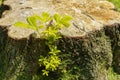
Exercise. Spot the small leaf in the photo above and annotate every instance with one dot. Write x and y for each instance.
(53, 67)
(41, 59)
(57, 18)
(41, 26)
(65, 23)
(45, 72)
(21, 24)
(32, 21)
(38, 18)
(66, 18)
(47, 66)
(45, 62)
(45, 16)
(54, 50)
(24, 25)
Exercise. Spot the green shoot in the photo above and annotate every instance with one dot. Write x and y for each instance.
(52, 25)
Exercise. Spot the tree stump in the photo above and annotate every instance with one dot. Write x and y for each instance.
(89, 47)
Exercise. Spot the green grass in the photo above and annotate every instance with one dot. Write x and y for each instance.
(112, 75)
(116, 3)
(0, 2)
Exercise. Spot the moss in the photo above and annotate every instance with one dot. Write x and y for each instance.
(86, 58)
(114, 35)
(89, 55)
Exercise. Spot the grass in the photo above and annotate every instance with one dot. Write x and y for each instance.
(112, 75)
(116, 3)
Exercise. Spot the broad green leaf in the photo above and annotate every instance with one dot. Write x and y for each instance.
(57, 18)
(32, 21)
(32, 27)
(65, 23)
(21, 24)
(24, 25)
(45, 16)
(38, 18)
(66, 18)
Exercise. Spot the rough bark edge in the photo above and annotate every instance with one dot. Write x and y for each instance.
(84, 55)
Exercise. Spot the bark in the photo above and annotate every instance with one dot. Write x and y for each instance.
(114, 35)
(85, 58)
(89, 47)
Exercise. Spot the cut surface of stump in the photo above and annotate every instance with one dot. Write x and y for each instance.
(88, 48)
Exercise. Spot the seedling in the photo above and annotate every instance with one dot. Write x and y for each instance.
(52, 25)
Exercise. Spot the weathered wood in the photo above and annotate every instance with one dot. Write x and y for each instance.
(89, 47)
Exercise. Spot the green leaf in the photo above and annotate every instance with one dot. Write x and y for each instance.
(65, 23)
(53, 67)
(38, 18)
(66, 18)
(45, 62)
(57, 18)
(41, 59)
(32, 21)
(24, 25)
(54, 50)
(47, 66)
(45, 72)
(51, 26)
(21, 24)
(41, 26)
(45, 16)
